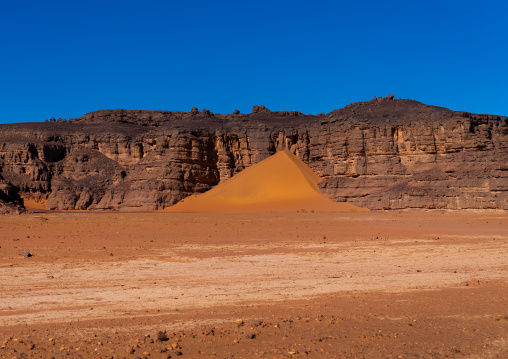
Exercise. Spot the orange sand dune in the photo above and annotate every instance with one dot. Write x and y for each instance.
(280, 183)
(31, 203)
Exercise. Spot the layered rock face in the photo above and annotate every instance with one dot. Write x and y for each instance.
(10, 201)
(380, 154)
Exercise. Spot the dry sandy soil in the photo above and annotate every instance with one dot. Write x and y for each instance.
(328, 285)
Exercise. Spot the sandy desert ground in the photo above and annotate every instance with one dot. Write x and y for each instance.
(159, 285)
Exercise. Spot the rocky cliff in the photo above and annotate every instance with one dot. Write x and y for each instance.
(382, 154)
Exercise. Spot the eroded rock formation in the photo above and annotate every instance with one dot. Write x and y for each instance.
(10, 201)
(383, 154)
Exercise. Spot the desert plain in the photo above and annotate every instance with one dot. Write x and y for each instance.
(380, 284)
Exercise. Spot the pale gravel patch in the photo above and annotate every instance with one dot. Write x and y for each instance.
(168, 281)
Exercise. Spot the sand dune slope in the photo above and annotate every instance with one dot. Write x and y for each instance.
(280, 183)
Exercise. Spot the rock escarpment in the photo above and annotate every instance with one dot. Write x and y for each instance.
(10, 201)
(381, 154)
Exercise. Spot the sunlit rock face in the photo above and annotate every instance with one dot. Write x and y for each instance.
(380, 154)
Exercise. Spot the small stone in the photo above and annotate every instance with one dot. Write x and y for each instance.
(161, 336)
(239, 322)
(26, 254)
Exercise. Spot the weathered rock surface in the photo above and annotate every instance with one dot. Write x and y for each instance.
(383, 154)
(10, 201)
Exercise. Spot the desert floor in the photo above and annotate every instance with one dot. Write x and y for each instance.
(327, 285)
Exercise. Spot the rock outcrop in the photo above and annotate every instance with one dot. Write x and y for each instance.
(10, 201)
(382, 154)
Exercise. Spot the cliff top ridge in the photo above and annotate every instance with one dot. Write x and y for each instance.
(387, 110)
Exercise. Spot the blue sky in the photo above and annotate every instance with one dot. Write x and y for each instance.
(67, 58)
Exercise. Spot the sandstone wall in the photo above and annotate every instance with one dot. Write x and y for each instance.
(381, 154)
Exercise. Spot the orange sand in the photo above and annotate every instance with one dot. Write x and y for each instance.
(34, 204)
(280, 183)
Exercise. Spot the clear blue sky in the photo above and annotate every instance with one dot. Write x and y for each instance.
(67, 58)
